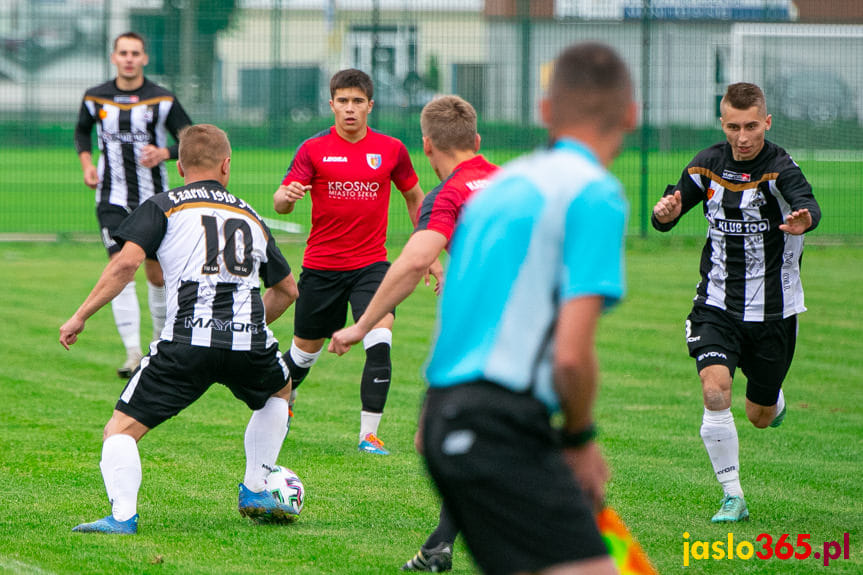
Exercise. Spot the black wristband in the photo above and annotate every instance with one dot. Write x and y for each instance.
(577, 438)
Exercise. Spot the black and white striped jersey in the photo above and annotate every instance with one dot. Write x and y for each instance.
(749, 267)
(213, 249)
(126, 121)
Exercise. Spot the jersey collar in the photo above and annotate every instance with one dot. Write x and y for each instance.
(574, 146)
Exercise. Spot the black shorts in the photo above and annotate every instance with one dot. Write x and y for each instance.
(110, 217)
(322, 307)
(500, 469)
(762, 349)
(173, 375)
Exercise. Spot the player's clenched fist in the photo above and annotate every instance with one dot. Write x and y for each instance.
(152, 156)
(668, 208)
(91, 176)
(286, 196)
(69, 331)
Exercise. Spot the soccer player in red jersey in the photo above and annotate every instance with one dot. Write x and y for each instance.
(451, 142)
(347, 171)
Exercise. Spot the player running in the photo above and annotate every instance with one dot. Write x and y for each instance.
(133, 118)
(758, 205)
(347, 171)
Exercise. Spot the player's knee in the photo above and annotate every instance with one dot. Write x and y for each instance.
(122, 424)
(376, 337)
(760, 416)
(716, 397)
(299, 363)
(716, 386)
(759, 421)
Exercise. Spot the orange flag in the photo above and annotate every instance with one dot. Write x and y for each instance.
(628, 555)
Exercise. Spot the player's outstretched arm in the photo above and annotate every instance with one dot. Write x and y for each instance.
(279, 297)
(119, 272)
(797, 222)
(422, 249)
(288, 195)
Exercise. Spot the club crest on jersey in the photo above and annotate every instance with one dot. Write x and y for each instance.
(736, 176)
(757, 200)
(374, 161)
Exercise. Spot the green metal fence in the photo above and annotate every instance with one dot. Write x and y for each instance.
(259, 69)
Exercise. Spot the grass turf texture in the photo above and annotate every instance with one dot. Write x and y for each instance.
(43, 191)
(368, 514)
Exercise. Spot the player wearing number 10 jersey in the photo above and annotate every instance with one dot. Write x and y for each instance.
(213, 248)
(213, 293)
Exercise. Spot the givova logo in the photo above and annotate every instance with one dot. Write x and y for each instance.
(712, 354)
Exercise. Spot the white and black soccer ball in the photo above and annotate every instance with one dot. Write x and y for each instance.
(286, 487)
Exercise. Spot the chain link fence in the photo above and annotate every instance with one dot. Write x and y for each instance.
(260, 70)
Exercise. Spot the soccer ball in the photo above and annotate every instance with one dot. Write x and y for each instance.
(286, 487)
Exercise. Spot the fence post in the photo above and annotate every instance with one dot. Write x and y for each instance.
(645, 111)
(525, 23)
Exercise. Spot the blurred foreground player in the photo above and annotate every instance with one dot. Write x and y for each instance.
(536, 257)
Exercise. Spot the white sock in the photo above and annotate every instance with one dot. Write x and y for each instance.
(720, 439)
(265, 434)
(369, 423)
(304, 358)
(780, 404)
(158, 307)
(127, 316)
(121, 470)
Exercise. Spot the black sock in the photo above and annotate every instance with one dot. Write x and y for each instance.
(445, 532)
(298, 374)
(375, 384)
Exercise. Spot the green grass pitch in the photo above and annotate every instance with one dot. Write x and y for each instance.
(43, 191)
(368, 514)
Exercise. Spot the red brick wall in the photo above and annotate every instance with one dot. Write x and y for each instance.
(509, 8)
(832, 11)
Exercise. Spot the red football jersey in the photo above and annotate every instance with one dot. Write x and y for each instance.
(350, 196)
(442, 206)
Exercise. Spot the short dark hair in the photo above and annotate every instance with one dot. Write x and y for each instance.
(744, 95)
(352, 78)
(134, 36)
(591, 82)
(203, 146)
(450, 123)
